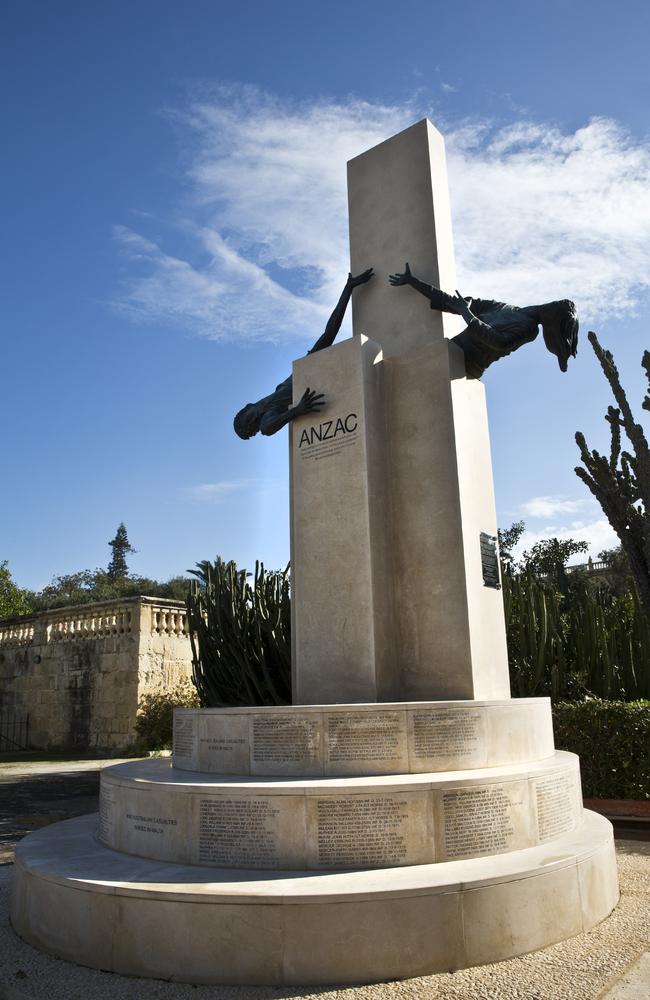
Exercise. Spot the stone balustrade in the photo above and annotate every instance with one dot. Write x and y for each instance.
(80, 672)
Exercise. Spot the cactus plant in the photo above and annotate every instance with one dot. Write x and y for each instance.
(240, 635)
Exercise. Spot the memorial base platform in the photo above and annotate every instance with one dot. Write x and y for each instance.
(278, 869)
(86, 903)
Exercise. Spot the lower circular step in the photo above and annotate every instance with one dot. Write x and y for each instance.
(204, 925)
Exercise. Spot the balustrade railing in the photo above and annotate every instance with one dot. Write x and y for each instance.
(17, 634)
(170, 621)
(93, 621)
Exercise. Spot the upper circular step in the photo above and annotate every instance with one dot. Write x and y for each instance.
(150, 809)
(360, 739)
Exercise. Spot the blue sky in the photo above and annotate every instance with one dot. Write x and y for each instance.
(174, 234)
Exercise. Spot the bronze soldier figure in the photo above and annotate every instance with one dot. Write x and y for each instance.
(272, 412)
(495, 329)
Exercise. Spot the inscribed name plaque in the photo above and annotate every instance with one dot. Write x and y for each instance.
(369, 831)
(106, 829)
(376, 740)
(286, 744)
(558, 804)
(184, 741)
(442, 738)
(152, 825)
(224, 743)
(232, 831)
(484, 819)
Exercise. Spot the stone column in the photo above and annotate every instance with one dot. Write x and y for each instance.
(341, 624)
(449, 626)
(399, 211)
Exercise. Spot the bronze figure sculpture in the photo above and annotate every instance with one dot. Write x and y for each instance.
(271, 413)
(496, 329)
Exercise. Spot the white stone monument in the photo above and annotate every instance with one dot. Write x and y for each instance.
(404, 816)
(386, 522)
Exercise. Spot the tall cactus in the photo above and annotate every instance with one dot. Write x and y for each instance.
(240, 635)
(621, 483)
(567, 645)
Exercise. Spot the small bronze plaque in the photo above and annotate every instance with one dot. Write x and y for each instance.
(490, 561)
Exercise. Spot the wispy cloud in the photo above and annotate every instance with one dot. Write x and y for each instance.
(214, 492)
(550, 506)
(538, 214)
(448, 88)
(217, 491)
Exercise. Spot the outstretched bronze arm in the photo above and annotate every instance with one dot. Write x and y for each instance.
(328, 337)
(274, 420)
(438, 298)
(273, 412)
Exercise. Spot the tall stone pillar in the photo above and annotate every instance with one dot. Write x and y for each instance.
(341, 629)
(396, 592)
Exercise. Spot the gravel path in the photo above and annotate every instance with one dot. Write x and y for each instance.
(587, 967)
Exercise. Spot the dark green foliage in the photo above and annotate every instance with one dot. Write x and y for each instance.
(154, 722)
(576, 641)
(90, 586)
(612, 739)
(241, 635)
(619, 576)
(549, 556)
(508, 539)
(13, 600)
(117, 567)
(620, 482)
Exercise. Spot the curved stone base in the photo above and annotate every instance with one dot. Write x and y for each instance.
(203, 925)
(362, 739)
(156, 811)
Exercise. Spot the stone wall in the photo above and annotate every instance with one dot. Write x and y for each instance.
(80, 672)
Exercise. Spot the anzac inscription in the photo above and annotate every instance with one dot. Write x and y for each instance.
(285, 739)
(450, 733)
(365, 736)
(362, 832)
(477, 821)
(556, 797)
(106, 814)
(238, 833)
(329, 437)
(184, 726)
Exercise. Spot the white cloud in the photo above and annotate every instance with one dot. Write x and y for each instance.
(541, 214)
(212, 492)
(549, 506)
(538, 214)
(216, 491)
(448, 88)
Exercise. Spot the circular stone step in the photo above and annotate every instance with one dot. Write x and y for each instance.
(386, 738)
(149, 808)
(202, 925)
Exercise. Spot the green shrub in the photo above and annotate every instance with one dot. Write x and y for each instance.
(155, 719)
(612, 739)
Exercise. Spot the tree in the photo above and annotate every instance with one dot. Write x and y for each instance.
(508, 539)
(117, 568)
(621, 482)
(13, 600)
(549, 556)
